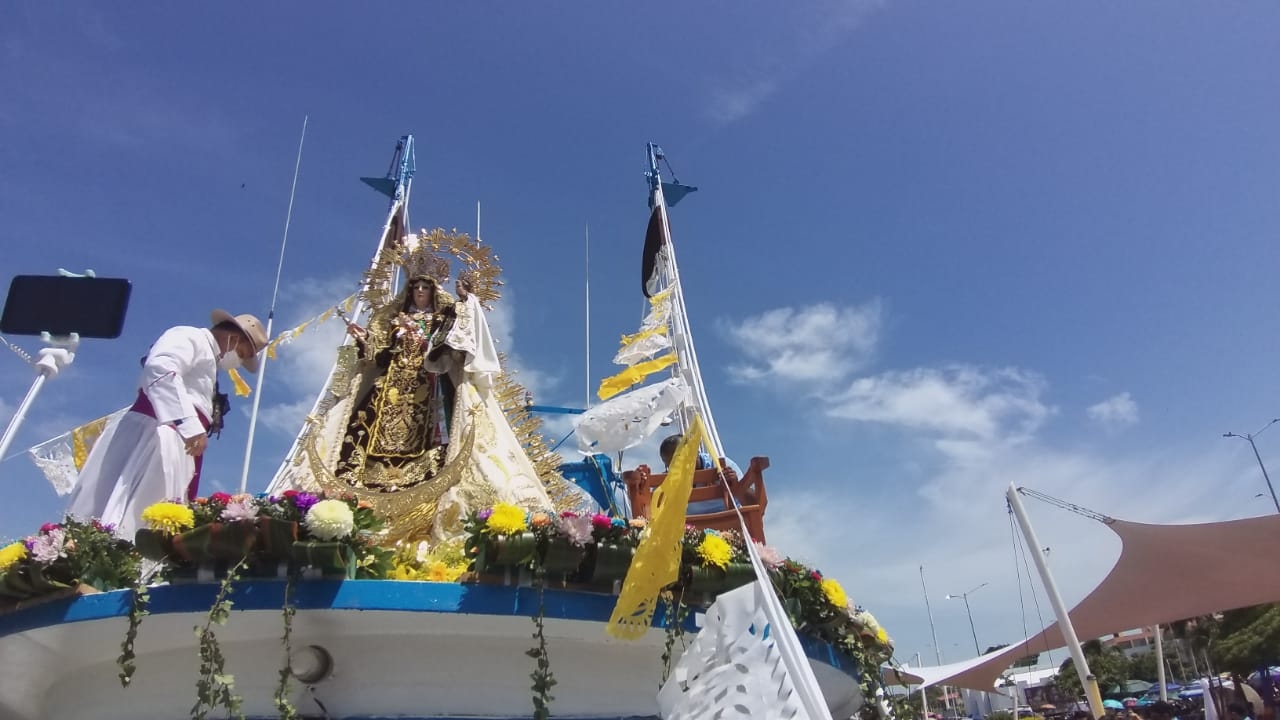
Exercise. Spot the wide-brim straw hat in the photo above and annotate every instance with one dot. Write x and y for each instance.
(252, 329)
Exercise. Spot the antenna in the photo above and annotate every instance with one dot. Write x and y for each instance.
(587, 274)
(271, 314)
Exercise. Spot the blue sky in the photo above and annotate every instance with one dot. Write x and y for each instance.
(938, 248)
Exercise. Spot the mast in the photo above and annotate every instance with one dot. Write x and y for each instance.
(271, 313)
(681, 333)
(396, 185)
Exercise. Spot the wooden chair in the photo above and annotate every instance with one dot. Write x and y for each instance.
(748, 490)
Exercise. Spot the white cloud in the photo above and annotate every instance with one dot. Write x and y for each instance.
(959, 402)
(302, 366)
(813, 343)
(1116, 412)
(948, 514)
(781, 52)
(502, 324)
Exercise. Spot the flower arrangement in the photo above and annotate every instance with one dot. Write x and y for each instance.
(310, 530)
(711, 561)
(445, 562)
(65, 555)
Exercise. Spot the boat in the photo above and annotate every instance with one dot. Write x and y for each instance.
(411, 610)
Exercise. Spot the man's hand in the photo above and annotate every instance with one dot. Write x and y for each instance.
(356, 331)
(197, 444)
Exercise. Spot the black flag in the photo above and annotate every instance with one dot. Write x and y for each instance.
(649, 265)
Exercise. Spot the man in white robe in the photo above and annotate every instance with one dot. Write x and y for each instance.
(154, 451)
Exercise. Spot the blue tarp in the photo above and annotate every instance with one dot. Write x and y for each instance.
(595, 475)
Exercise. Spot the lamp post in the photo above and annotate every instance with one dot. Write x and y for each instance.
(946, 694)
(1250, 437)
(965, 596)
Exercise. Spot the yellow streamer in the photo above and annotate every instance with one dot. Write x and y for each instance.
(657, 559)
(83, 438)
(636, 337)
(611, 386)
(659, 297)
(295, 332)
(242, 387)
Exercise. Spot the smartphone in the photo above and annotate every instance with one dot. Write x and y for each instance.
(92, 307)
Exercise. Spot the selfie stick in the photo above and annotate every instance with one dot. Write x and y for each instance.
(271, 315)
(50, 361)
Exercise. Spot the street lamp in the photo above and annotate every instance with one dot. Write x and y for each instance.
(1250, 437)
(965, 596)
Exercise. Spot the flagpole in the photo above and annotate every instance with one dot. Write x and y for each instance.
(271, 314)
(587, 277)
(686, 354)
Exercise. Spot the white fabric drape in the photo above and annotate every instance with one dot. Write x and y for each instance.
(498, 470)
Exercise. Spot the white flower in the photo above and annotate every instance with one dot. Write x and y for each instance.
(769, 555)
(49, 546)
(424, 551)
(577, 529)
(330, 520)
(240, 509)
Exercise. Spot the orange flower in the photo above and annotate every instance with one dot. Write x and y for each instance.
(540, 519)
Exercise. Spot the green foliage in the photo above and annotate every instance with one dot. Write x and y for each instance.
(1001, 715)
(1248, 638)
(215, 687)
(138, 604)
(676, 612)
(1028, 661)
(282, 702)
(1108, 664)
(543, 678)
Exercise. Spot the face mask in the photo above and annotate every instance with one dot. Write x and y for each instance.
(229, 360)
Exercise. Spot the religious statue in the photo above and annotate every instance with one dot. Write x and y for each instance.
(395, 437)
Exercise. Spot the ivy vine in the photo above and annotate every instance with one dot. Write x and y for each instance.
(543, 679)
(139, 602)
(676, 612)
(283, 704)
(216, 687)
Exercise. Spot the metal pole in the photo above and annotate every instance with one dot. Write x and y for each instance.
(271, 316)
(924, 699)
(1160, 676)
(20, 414)
(976, 648)
(946, 694)
(1252, 444)
(1087, 680)
(1265, 476)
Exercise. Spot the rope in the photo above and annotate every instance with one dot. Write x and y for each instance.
(1017, 571)
(1072, 507)
(1034, 597)
(17, 351)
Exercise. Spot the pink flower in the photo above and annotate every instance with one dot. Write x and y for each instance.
(239, 510)
(47, 547)
(577, 529)
(47, 527)
(769, 555)
(601, 521)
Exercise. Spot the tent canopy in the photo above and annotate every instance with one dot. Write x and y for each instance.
(1226, 577)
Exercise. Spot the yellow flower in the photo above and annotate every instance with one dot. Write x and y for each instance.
(168, 517)
(11, 554)
(403, 572)
(506, 519)
(835, 594)
(715, 551)
(882, 637)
